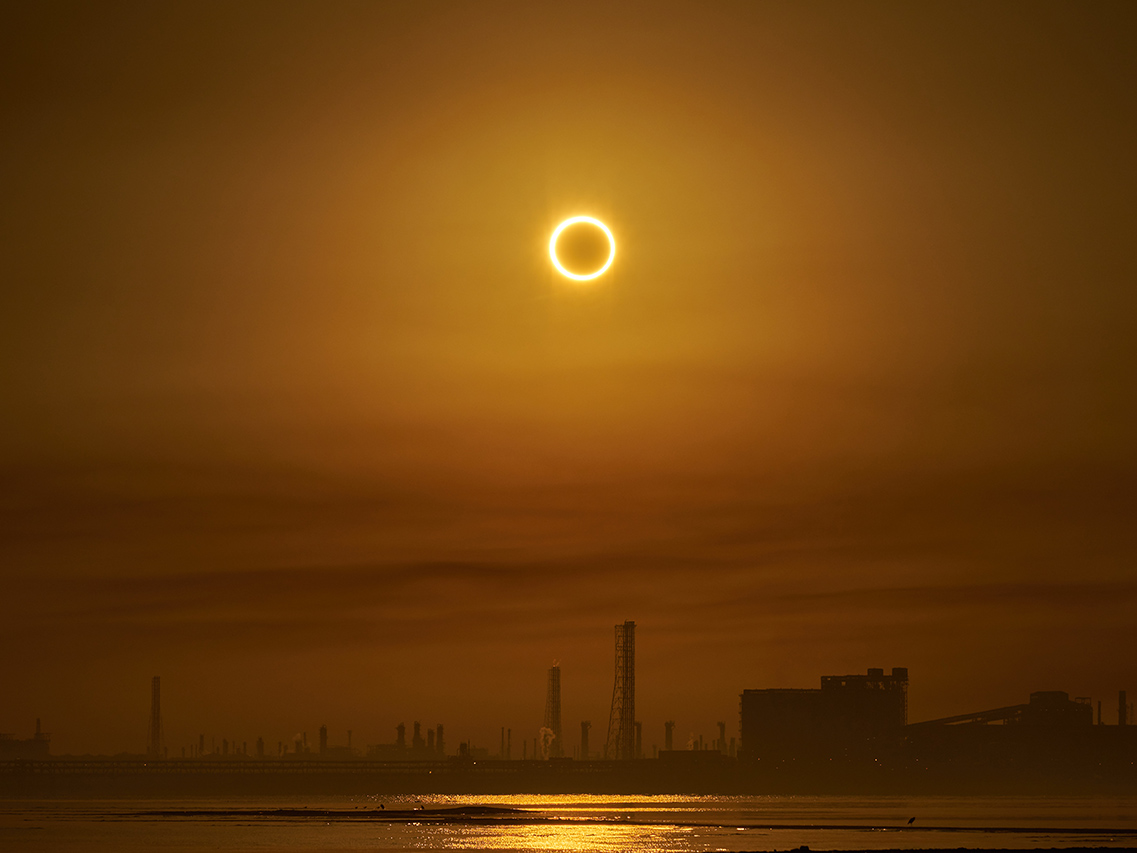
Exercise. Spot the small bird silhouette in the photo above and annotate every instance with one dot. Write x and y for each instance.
(911, 821)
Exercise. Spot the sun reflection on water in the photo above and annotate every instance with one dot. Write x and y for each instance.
(571, 837)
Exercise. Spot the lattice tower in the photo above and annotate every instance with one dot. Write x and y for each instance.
(622, 721)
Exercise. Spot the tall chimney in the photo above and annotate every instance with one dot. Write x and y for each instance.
(1122, 709)
(553, 711)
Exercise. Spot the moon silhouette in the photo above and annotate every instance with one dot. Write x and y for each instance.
(585, 229)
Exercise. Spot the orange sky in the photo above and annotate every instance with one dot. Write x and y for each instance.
(298, 415)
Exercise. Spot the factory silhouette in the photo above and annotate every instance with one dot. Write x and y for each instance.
(851, 734)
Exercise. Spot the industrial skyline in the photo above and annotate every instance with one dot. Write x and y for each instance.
(790, 721)
(850, 735)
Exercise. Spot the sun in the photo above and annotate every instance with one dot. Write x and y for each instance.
(589, 233)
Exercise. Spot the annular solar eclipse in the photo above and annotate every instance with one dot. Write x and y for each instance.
(582, 275)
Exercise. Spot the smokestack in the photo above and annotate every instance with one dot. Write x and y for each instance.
(323, 739)
(1122, 709)
(553, 711)
(154, 750)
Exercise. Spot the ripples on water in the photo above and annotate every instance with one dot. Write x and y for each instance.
(575, 823)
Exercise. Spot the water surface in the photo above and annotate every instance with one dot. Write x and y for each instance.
(646, 824)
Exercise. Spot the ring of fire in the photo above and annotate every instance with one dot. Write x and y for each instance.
(574, 221)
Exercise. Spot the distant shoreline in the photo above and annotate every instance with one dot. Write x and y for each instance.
(113, 778)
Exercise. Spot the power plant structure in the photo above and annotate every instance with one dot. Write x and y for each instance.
(553, 712)
(621, 743)
(154, 749)
(801, 722)
(37, 747)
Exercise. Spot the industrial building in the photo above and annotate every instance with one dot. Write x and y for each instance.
(846, 712)
(429, 748)
(1047, 708)
(852, 734)
(1045, 743)
(37, 746)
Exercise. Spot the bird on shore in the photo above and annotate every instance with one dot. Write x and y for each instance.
(911, 821)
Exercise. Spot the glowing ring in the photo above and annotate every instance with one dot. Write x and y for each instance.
(574, 221)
